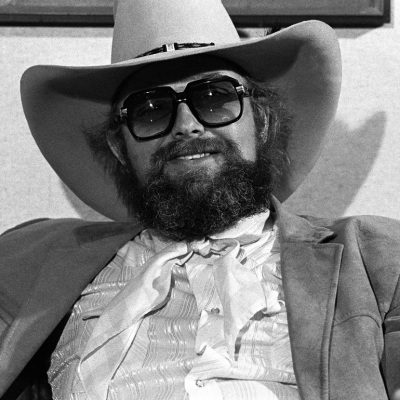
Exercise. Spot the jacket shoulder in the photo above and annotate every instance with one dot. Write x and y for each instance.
(23, 224)
(71, 231)
(377, 240)
(25, 249)
(39, 233)
(45, 224)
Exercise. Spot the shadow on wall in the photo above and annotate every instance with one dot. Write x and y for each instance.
(343, 167)
(331, 186)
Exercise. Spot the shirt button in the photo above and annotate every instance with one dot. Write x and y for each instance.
(199, 383)
(215, 310)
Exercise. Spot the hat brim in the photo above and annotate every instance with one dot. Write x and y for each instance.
(61, 102)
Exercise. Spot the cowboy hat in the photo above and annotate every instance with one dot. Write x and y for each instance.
(61, 102)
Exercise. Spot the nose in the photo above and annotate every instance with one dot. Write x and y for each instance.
(186, 125)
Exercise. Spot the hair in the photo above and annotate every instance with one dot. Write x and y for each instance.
(273, 124)
(273, 127)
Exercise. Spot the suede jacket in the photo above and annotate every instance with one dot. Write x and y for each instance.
(340, 279)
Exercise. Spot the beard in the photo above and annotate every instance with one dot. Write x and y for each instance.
(201, 202)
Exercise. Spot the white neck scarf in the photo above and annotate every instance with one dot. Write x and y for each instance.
(239, 290)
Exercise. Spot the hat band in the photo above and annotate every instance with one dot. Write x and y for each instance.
(174, 46)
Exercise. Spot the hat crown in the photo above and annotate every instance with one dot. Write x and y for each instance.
(143, 25)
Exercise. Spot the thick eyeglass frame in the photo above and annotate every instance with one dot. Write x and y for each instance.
(185, 96)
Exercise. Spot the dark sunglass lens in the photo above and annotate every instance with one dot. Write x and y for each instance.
(216, 102)
(149, 113)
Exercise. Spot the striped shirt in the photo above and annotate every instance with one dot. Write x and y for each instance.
(215, 324)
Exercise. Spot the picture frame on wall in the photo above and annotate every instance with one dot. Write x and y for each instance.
(244, 13)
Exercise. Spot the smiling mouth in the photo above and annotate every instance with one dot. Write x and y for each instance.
(193, 156)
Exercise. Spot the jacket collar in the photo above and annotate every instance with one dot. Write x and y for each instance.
(92, 233)
(294, 228)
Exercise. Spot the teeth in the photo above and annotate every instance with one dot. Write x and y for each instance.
(193, 156)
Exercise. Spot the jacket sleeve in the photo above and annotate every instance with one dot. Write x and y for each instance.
(29, 385)
(23, 251)
(5, 318)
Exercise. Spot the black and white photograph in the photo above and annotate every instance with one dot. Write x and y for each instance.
(199, 200)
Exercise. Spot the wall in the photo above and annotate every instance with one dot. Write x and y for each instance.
(358, 171)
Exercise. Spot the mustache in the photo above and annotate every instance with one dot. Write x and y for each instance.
(194, 146)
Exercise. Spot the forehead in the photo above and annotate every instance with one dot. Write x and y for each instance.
(178, 73)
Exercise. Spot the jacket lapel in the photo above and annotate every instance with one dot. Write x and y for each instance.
(310, 271)
(71, 264)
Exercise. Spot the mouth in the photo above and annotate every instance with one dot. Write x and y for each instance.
(193, 156)
(197, 152)
(185, 161)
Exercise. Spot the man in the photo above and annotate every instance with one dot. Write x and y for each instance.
(218, 291)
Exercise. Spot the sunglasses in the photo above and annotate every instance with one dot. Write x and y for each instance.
(151, 113)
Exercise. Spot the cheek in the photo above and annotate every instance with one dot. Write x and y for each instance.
(139, 153)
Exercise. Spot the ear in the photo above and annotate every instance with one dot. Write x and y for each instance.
(267, 119)
(265, 131)
(115, 144)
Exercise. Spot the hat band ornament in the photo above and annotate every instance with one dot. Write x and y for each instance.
(174, 46)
